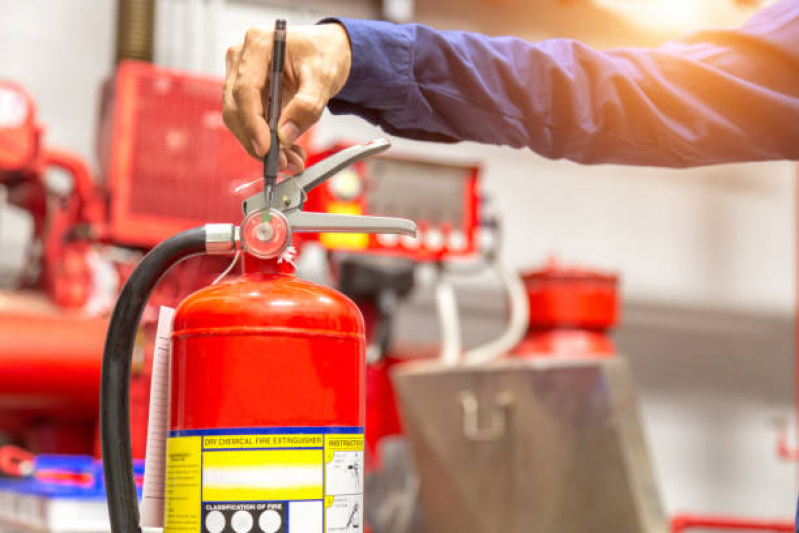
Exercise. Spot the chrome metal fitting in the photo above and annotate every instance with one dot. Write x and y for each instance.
(220, 239)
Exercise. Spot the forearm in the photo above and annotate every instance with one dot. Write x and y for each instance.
(714, 99)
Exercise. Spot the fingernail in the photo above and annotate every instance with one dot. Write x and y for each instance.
(293, 168)
(288, 133)
(256, 147)
(282, 160)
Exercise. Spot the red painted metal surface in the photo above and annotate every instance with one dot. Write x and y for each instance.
(19, 134)
(325, 200)
(267, 349)
(89, 207)
(382, 414)
(166, 156)
(50, 365)
(571, 313)
(681, 523)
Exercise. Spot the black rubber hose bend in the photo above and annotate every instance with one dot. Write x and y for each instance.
(123, 505)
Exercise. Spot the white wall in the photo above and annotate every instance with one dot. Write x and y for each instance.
(720, 238)
(60, 51)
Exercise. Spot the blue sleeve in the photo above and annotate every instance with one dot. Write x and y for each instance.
(716, 96)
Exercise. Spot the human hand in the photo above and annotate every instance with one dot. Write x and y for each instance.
(318, 60)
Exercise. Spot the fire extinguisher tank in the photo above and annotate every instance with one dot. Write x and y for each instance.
(267, 339)
(267, 407)
(266, 379)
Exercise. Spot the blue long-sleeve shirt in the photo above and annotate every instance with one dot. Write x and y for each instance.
(715, 96)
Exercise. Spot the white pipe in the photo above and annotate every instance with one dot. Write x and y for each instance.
(517, 321)
(448, 321)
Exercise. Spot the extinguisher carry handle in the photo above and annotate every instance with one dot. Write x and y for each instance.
(290, 194)
(307, 222)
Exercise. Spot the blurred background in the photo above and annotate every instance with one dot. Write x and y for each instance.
(706, 257)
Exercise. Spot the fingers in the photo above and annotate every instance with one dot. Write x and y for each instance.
(304, 109)
(230, 113)
(251, 78)
(292, 160)
(317, 66)
(295, 159)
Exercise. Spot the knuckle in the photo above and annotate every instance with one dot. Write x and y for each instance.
(251, 35)
(309, 104)
(239, 90)
(255, 34)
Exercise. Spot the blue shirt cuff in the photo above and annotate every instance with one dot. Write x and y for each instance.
(381, 64)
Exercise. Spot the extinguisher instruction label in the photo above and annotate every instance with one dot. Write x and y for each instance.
(265, 480)
(183, 482)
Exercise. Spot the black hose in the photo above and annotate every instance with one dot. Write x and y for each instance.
(123, 505)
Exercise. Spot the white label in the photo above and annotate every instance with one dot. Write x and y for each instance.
(152, 504)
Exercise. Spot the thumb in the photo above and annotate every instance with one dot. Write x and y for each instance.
(302, 112)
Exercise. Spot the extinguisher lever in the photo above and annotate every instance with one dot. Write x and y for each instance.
(266, 233)
(290, 193)
(330, 166)
(306, 222)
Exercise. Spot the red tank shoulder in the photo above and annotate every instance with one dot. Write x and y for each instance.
(272, 300)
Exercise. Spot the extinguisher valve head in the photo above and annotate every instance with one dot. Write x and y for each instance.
(265, 234)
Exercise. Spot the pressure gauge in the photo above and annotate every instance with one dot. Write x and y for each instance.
(266, 234)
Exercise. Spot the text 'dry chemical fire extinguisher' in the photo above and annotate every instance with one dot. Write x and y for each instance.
(266, 401)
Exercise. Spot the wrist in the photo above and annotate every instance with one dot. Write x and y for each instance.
(344, 45)
(339, 40)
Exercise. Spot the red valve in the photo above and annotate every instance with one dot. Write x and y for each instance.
(571, 312)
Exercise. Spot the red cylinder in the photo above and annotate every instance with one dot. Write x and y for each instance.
(49, 366)
(571, 312)
(267, 404)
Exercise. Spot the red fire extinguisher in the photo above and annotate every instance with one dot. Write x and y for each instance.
(266, 382)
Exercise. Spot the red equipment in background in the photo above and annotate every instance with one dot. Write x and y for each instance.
(443, 200)
(167, 159)
(164, 151)
(572, 311)
(19, 134)
(50, 356)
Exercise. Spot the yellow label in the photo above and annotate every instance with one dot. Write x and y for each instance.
(253, 475)
(266, 478)
(233, 442)
(345, 241)
(183, 476)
